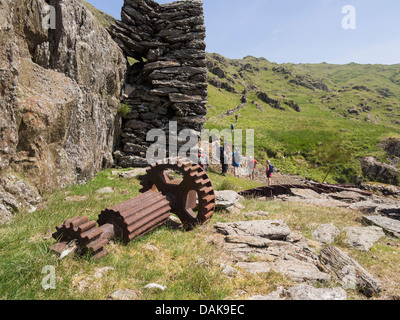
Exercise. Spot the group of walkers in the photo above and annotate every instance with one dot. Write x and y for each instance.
(230, 112)
(226, 157)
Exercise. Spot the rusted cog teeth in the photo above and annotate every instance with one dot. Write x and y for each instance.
(86, 233)
(137, 216)
(148, 211)
(146, 185)
(183, 201)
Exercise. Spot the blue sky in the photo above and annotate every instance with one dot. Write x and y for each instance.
(298, 31)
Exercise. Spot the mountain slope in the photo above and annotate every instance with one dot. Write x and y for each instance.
(305, 115)
(105, 19)
(300, 112)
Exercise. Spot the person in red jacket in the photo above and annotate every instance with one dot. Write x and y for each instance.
(254, 170)
(203, 159)
(251, 166)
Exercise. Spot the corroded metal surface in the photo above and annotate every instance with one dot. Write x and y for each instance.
(90, 238)
(276, 190)
(137, 216)
(193, 189)
(127, 220)
(191, 198)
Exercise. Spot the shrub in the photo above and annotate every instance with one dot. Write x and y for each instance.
(124, 109)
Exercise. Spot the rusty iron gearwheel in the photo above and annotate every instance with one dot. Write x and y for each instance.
(160, 196)
(90, 238)
(127, 220)
(137, 216)
(183, 194)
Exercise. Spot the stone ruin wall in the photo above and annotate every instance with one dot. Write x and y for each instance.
(168, 82)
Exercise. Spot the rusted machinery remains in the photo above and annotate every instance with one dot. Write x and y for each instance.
(127, 221)
(277, 190)
(183, 194)
(161, 196)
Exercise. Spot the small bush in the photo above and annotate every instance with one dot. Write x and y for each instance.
(124, 109)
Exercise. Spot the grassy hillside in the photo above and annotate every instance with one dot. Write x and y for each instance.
(301, 112)
(105, 19)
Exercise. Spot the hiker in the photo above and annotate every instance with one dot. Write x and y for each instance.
(232, 127)
(251, 167)
(269, 170)
(203, 159)
(215, 149)
(255, 162)
(236, 117)
(236, 159)
(224, 158)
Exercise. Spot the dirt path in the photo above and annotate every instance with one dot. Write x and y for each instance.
(277, 178)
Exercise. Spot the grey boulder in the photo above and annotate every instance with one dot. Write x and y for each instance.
(304, 292)
(390, 226)
(363, 238)
(326, 233)
(269, 229)
(226, 199)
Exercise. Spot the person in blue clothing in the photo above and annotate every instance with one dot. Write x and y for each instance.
(236, 159)
(232, 127)
(269, 171)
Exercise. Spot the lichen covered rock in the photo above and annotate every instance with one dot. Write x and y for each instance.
(60, 91)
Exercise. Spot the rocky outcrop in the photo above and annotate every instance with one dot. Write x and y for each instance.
(326, 233)
(222, 85)
(265, 229)
(363, 238)
(304, 292)
(60, 91)
(390, 226)
(169, 80)
(378, 171)
(16, 195)
(349, 271)
(226, 199)
(293, 105)
(276, 104)
(217, 71)
(392, 146)
(275, 247)
(309, 83)
(385, 189)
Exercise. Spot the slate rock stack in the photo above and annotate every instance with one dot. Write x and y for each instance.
(168, 81)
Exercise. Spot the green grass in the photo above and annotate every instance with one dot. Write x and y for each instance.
(24, 252)
(231, 183)
(174, 264)
(105, 19)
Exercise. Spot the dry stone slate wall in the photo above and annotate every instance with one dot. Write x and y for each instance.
(168, 81)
